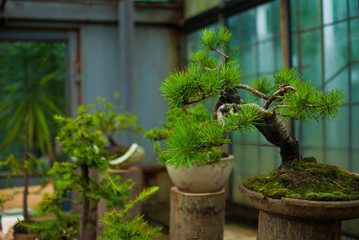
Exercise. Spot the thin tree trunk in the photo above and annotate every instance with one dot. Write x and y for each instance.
(85, 204)
(26, 175)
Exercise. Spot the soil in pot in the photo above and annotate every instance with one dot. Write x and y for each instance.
(307, 179)
(21, 233)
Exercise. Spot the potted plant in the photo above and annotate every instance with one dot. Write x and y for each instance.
(81, 139)
(205, 168)
(17, 167)
(282, 97)
(113, 123)
(31, 93)
(52, 223)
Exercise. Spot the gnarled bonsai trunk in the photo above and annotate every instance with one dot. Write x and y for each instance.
(289, 145)
(271, 127)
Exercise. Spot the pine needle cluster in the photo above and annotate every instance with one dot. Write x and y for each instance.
(115, 227)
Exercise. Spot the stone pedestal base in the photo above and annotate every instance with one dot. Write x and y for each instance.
(296, 219)
(277, 227)
(197, 215)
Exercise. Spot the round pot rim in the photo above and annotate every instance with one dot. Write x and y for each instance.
(229, 157)
(124, 157)
(303, 208)
(124, 170)
(201, 179)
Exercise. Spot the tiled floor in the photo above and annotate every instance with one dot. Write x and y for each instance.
(239, 232)
(159, 215)
(232, 232)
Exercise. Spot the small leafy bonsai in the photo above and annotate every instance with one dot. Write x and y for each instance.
(81, 139)
(215, 74)
(53, 223)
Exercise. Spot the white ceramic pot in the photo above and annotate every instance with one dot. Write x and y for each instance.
(202, 179)
(131, 157)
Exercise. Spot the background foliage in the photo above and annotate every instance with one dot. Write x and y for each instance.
(32, 87)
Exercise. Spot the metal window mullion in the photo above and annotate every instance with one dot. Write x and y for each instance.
(256, 49)
(324, 135)
(300, 63)
(285, 33)
(350, 110)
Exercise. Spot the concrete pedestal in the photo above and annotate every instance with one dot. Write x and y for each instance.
(277, 227)
(197, 215)
(295, 219)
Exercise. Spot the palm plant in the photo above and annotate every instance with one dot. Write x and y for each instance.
(32, 91)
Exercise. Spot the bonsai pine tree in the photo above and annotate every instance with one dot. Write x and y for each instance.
(214, 74)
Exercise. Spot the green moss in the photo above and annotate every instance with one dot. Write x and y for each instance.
(309, 180)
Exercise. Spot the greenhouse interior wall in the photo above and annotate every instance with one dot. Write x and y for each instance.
(318, 37)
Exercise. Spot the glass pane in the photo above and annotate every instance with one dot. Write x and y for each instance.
(334, 10)
(295, 60)
(265, 21)
(353, 8)
(354, 39)
(276, 19)
(266, 57)
(192, 42)
(337, 130)
(192, 8)
(338, 157)
(314, 152)
(278, 54)
(247, 28)
(266, 159)
(335, 48)
(312, 134)
(309, 14)
(234, 26)
(341, 82)
(311, 57)
(293, 15)
(246, 154)
(355, 83)
(248, 60)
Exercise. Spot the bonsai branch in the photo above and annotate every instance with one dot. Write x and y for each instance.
(270, 126)
(194, 100)
(222, 54)
(277, 94)
(252, 90)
